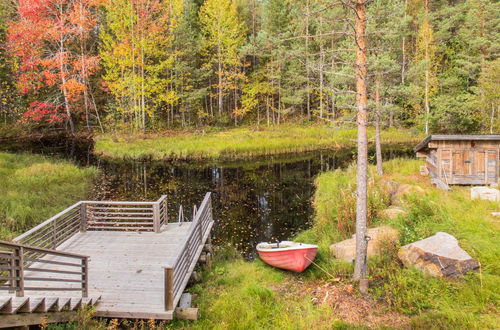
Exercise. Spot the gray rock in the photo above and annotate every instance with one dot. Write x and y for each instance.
(439, 256)
(486, 193)
(346, 250)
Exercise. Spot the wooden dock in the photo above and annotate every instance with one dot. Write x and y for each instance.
(127, 254)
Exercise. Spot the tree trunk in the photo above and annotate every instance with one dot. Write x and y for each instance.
(219, 86)
(267, 109)
(378, 147)
(492, 117)
(321, 75)
(426, 102)
(403, 50)
(307, 63)
(63, 81)
(360, 265)
(427, 73)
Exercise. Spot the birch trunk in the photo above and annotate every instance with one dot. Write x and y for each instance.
(378, 146)
(63, 77)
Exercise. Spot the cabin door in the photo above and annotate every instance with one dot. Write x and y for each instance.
(462, 162)
(491, 166)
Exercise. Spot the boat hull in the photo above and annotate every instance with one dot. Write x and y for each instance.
(295, 260)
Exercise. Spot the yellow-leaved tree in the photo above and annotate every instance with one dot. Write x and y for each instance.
(137, 55)
(224, 34)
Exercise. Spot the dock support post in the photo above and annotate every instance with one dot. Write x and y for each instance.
(83, 217)
(85, 277)
(156, 217)
(19, 255)
(169, 288)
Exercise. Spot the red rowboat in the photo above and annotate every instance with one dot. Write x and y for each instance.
(288, 255)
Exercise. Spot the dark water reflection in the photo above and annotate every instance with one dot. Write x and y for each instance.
(263, 199)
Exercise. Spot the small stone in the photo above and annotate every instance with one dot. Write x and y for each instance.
(404, 190)
(393, 212)
(439, 256)
(346, 250)
(485, 193)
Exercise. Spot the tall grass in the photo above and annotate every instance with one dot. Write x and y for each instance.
(33, 188)
(236, 143)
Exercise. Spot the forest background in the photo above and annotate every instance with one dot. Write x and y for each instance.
(162, 64)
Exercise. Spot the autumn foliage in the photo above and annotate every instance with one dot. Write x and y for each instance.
(49, 42)
(44, 113)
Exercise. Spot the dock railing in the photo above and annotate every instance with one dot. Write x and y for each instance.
(54, 231)
(24, 268)
(177, 275)
(97, 215)
(112, 215)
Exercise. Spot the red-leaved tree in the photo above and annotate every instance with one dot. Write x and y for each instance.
(49, 40)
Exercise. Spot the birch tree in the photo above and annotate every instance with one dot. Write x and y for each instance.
(224, 34)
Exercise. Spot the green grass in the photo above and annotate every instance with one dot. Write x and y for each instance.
(33, 188)
(237, 143)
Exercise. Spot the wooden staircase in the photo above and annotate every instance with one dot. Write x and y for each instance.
(25, 269)
(16, 305)
(26, 311)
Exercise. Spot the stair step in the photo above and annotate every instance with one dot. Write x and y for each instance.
(64, 304)
(14, 305)
(51, 304)
(5, 304)
(37, 305)
(76, 303)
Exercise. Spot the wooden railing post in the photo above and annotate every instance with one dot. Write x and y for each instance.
(165, 210)
(85, 277)
(83, 217)
(19, 255)
(156, 217)
(169, 288)
(12, 272)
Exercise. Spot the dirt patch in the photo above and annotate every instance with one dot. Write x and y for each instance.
(348, 304)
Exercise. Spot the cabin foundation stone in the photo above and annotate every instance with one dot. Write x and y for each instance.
(485, 193)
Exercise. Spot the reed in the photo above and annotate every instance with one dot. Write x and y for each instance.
(33, 188)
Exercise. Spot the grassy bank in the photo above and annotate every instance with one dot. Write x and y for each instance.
(237, 143)
(33, 188)
(240, 295)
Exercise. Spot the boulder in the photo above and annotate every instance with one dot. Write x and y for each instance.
(439, 256)
(403, 190)
(390, 186)
(495, 214)
(346, 250)
(486, 193)
(393, 212)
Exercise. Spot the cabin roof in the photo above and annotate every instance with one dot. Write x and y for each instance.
(459, 137)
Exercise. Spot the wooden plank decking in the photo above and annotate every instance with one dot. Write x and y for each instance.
(137, 274)
(126, 269)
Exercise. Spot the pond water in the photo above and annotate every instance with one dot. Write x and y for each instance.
(263, 199)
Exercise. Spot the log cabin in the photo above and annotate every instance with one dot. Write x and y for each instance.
(461, 159)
